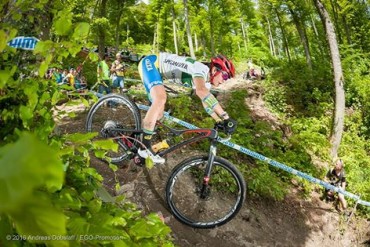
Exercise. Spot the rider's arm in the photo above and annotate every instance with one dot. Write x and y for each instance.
(210, 103)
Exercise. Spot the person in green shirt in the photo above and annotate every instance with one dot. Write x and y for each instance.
(103, 75)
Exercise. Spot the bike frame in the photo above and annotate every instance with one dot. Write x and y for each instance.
(211, 134)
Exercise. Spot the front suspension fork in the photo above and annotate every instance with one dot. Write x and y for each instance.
(205, 189)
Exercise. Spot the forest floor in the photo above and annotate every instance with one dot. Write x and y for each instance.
(261, 222)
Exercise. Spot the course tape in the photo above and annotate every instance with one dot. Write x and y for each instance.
(268, 160)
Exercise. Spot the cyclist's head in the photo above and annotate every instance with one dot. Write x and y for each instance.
(221, 65)
(118, 55)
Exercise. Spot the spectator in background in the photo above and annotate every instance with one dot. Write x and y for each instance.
(57, 73)
(64, 75)
(103, 75)
(117, 70)
(251, 69)
(70, 78)
(337, 177)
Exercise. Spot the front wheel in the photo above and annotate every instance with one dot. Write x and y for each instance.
(201, 206)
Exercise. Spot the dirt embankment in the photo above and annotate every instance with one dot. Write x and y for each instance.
(261, 222)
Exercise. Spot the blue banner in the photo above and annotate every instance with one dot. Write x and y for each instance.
(25, 43)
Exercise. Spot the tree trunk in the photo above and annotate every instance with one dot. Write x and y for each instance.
(101, 30)
(196, 42)
(212, 34)
(174, 29)
(314, 26)
(154, 39)
(336, 22)
(271, 39)
(203, 40)
(302, 34)
(244, 36)
(118, 26)
(46, 22)
(347, 29)
(188, 31)
(338, 120)
(285, 41)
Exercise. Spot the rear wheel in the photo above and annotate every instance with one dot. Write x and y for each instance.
(112, 112)
(200, 206)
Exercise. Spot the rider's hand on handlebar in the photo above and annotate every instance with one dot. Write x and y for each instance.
(228, 126)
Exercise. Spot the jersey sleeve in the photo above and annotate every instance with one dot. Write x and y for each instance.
(197, 69)
(171, 63)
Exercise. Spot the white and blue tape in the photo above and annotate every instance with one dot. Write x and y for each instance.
(268, 160)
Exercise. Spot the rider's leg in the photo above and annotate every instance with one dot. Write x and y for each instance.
(157, 95)
(155, 112)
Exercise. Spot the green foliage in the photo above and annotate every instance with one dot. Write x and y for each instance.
(354, 152)
(92, 211)
(28, 172)
(63, 23)
(294, 89)
(265, 183)
(25, 183)
(311, 124)
(312, 133)
(302, 96)
(356, 66)
(47, 187)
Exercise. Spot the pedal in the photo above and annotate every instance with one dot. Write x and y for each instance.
(139, 161)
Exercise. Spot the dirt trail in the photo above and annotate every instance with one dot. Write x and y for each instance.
(293, 222)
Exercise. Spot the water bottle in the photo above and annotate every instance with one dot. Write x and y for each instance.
(160, 146)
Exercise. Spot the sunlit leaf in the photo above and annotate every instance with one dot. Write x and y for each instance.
(113, 167)
(25, 113)
(107, 144)
(40, 218)
(81, 30)
(94, 205)
(149, 163)
(64, 23)
(80, 137)
(43, 68)
(25, 165)
(3, 40)
(4, 77)
(104, 195)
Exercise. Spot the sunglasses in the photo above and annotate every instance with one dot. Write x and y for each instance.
(225, 75)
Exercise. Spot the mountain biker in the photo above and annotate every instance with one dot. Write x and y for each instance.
(337, 177)
(185, 71)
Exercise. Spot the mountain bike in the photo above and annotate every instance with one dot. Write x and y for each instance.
(202, 191)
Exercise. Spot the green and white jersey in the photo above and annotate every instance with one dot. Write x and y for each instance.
(181, 70)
